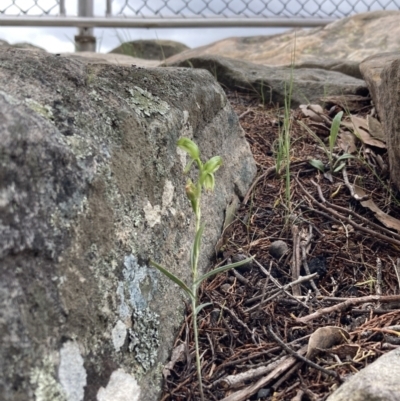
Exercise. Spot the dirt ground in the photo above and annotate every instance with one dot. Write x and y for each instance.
(340, 226)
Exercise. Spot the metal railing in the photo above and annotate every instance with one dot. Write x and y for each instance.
(181, 14)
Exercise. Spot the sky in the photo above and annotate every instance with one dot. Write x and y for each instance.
(59, 40)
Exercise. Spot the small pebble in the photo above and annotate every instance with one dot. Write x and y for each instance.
(263, 393)
(318, 265)
(238, 258)
(215, 313)
(278, 248)
(225, 287)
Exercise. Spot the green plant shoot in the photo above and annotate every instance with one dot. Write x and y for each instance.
(335, 164)
(193, 190)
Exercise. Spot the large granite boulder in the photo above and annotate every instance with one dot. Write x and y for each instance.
(379, 381)
(382, 74)
(330, 47)
(91, 187)
(111, 58)
(21, 45)
(324, 61)
(371, 69)
(150, 49)
(272, 84)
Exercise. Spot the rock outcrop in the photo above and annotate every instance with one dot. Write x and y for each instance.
(382, 74)
(21, 45)
(150, 49)
(380, 381)
(111, 58)
(272, 84)
(330, 47)
(91, 187)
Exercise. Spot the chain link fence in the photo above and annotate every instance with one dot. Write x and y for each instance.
(30, 7)
(89, 14)
(251, 8)
(285, 9)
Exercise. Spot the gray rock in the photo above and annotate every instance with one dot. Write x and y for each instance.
(338, 46)
(272, 83)
(150, 49)
(371, 69)
(21, 45)
(91, 187)
(238, 257)
(379, 381)
(382, 74)
(111, 58)
(389, 97)
(278, 248)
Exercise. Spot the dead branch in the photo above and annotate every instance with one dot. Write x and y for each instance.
(276, 282)
(282, 289)
(243, 394)
(396, 269)
(346, 304)
(235, 381)
(331, 212)
(301, 357)
(304, 244)
(354, 214)
(296, 260)
(351, 188)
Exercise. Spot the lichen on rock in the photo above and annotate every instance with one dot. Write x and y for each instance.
(145, 104)
(144, 337)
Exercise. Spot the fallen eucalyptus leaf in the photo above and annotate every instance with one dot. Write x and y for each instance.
(375, 128)
(347, 142)
(325, 338)
(360, 129)
(313, 111)
(385, 219)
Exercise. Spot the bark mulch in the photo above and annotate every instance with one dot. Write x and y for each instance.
(254, 337)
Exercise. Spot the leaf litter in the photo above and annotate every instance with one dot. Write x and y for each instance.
(294, 325)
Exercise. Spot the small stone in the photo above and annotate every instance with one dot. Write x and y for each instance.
(278, 248)
(263, 393)
(215, 314)
(318, 265)
(225, 287)
(238, 258)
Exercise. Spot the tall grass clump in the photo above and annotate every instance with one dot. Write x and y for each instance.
(284, 143)
(205, 180)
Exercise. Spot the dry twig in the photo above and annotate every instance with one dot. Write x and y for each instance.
(346, 304)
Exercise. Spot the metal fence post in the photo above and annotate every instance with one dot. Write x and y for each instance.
(62, 8)
(108, 8)
(85, 41)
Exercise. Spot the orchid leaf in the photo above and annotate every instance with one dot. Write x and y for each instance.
(200, 307)
(317, 164)
(221, 270)
(172, 277)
